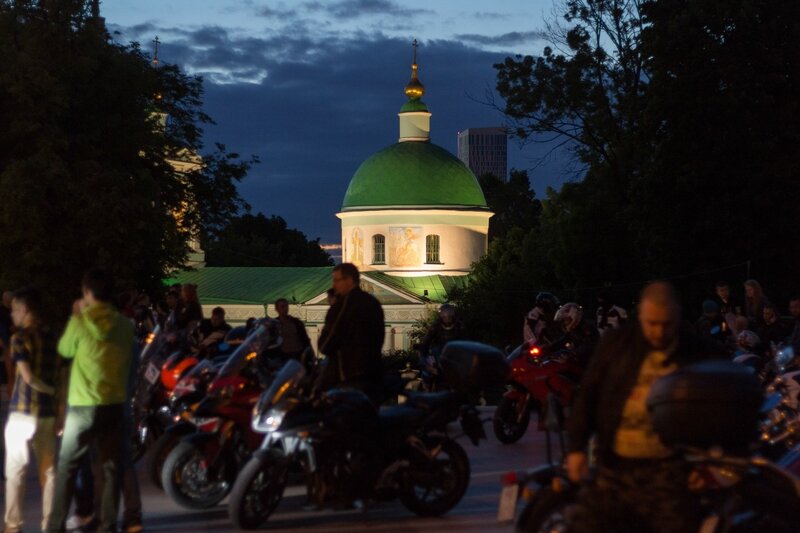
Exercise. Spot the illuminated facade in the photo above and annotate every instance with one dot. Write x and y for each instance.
(413, 208)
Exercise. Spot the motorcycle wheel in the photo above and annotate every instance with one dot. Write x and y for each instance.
(161, 450)
(547, 513)
(507, 428)
(433, 487)
(258, 490)
(184, 478)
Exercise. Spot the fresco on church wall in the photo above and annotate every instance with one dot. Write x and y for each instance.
(405, 246)
(357, 248)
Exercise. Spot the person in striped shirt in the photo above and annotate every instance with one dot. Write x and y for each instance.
(32, 408)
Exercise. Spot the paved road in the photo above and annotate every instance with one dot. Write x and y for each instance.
(476, 512)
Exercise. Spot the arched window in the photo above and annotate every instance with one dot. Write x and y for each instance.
(378, 250)
(432, 249)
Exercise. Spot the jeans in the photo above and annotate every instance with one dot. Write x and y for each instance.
(21, 431)
(638, 496)
(101, 426)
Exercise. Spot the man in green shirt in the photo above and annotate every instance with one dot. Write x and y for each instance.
(98, 341)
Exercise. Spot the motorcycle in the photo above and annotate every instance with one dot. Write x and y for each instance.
(352, 453)
(539, 375)
(183, 400)
(199, 471)
(740, 491)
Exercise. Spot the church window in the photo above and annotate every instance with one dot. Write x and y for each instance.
(432, 249)
(378, 250)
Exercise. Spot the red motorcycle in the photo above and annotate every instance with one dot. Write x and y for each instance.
(543, 380)
(199, 472)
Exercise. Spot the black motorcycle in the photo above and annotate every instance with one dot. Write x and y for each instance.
(352, 453)
(709, 412)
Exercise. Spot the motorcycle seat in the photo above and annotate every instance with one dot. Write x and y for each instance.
(400, 416)
(430, 401)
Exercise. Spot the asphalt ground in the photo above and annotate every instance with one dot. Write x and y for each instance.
(477, 511)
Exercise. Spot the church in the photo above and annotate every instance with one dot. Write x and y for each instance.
(414, 219)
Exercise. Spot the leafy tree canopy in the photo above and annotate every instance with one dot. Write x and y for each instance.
(255, 240)
(684, 118)
(513, 203)
(85, 172)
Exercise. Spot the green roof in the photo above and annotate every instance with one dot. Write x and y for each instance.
(439, 288)
(413, 105)
(413, 174)
(256, 285)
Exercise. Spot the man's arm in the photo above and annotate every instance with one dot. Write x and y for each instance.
(25, 372)
(68, 344)
(581, 421)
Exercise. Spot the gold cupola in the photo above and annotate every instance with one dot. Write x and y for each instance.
(415, 119)
(414, 90)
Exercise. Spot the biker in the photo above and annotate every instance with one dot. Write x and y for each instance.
(580, 335)
(608, 315)
(446, 328)
(638, 479)
(213, 331)
(538, 326)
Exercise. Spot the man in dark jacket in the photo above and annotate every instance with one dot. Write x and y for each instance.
(640, 482)
(352, 338)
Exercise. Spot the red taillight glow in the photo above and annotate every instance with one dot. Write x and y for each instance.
(534, 351)
(509, 478)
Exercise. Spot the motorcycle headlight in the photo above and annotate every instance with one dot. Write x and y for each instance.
(269, 420)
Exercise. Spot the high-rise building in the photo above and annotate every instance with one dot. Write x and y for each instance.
(484, 151)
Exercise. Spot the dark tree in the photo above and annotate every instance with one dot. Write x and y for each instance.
(85, 173)
(255, 240)
(513, 202)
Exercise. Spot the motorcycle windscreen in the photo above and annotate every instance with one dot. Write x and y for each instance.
(255, 343)
(287, 379)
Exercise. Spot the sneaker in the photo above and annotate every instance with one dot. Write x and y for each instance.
(77, 521)
(133, 528)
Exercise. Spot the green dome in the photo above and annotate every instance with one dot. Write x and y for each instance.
(413, 105)
(413, 174)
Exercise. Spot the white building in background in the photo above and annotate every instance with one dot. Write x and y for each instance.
(484, 151)
(414, 209)
(414, 219)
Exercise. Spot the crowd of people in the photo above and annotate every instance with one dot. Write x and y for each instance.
(750, 324)
(70, 391)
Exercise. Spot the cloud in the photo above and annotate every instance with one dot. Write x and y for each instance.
(280, 13)
(506, 39)
(314, 106)
(353, 9)
(483, 15)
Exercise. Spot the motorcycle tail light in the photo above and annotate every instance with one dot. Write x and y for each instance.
(535, 351)
(509, 478)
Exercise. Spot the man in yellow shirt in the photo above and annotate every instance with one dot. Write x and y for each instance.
(641, 484)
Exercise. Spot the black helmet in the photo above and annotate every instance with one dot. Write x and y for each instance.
(547, 302)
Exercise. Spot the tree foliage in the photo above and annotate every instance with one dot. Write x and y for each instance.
(513, 203)
(85, 177)
(255, 240)
(683, 118)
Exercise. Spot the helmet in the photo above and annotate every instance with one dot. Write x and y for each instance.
(447, 313)
(547, 302)
(570, 315)
(747, 339)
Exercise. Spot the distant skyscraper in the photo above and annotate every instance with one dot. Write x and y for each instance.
(484, 151)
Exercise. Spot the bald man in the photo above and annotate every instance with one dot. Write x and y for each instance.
(641, 485)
